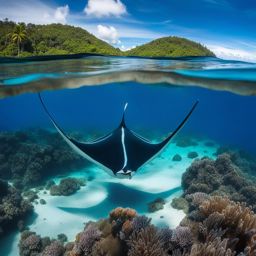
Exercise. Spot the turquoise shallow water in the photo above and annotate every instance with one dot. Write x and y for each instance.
(86, 97)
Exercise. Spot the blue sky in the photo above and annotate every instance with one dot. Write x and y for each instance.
(228, 27)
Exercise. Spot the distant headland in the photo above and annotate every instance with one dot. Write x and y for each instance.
(24, 40)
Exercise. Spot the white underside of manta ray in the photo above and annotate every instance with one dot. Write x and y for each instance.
(122, 152)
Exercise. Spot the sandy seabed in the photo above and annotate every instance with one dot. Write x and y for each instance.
(159, 178)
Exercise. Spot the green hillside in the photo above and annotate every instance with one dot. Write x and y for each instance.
(170, 47)
(49, 39)
(55, 39)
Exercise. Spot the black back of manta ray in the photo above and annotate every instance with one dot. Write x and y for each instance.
(120, 151)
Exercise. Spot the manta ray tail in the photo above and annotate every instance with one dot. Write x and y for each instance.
(163, 143)
(122, 124)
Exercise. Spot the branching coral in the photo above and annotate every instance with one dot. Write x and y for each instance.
(122, 214)
(220, 177)
(182, 237)
(30, 244)
(225, 222)
(226, 228)
(217, 247)
(86, 240)
(13, 208)
(140, 222)
(146, 242)
(121, 222)
(54, 249)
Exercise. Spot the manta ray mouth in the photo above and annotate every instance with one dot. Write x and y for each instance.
(124, 174)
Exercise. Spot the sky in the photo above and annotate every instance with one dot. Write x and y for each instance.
(227, 27)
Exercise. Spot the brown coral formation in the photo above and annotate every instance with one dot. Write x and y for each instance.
(13, 208)
(28, 158)
(219, 177)
(225, 228)
(146, 242)
(67, 186)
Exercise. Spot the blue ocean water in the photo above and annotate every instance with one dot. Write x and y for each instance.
(223, 116)
(88, 95)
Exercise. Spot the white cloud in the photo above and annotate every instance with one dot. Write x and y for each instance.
(126, 31)
(33, 11)
(61, 14)
(233, 53)
(105, 8)
(108, 34)
(124, 48)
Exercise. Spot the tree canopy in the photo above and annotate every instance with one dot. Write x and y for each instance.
(170, 47)
(51, 39)
(55, 39)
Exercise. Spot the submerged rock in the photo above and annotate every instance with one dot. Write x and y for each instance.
(177, 158)
(42, 201)
(192, 155)
(67, 186)
(156, 205)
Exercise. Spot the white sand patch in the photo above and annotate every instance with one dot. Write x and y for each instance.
(52, 221)
(86, 197)
(168, 216)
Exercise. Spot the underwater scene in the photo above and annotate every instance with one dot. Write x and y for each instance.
(115, 156)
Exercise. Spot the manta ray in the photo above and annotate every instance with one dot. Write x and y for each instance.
(122, 152)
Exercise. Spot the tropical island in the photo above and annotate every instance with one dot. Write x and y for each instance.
(25, 40)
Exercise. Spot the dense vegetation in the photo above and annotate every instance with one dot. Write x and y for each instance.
(29, 39)
(170, 47)
(50, 39)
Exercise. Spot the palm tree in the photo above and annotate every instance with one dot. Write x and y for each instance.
(19, 35)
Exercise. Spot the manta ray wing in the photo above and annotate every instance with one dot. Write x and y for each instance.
(140, 150)
(105, 151)
(122, 151)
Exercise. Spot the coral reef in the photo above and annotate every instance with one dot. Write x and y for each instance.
(67, 186)
(85, 241)
(192, 155)
(219, 177)
(214, 226)
(180, 203)
(177, 158)
(225, 227)
(28, 158)
(32, 244)
(146, 242)
(245, 161)
(13, 208)
(156, 205)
